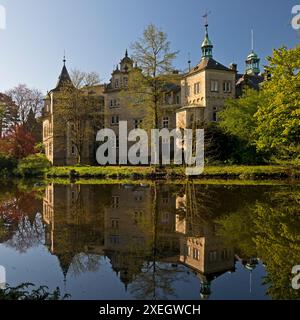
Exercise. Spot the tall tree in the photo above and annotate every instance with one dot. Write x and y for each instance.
(8, 113)
(148, 82)
(82, 79)
(278, 117)
(26, 99)
(238, 125)
(17, 142)
(79, 115)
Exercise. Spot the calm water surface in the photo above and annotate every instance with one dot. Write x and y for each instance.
(152, 240)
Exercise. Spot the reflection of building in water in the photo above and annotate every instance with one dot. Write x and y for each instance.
(74, 215)
(128, 230)
(200, 248)
(133, 225)
(132, 229)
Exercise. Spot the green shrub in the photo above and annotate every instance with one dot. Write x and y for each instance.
(33, 165)
(23, 292)
(7, 165)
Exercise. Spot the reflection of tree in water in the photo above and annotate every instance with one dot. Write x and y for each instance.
(269, 229)
(17, 210)
(197, 206)
(28, 234)
(84, 262)
(156, 279)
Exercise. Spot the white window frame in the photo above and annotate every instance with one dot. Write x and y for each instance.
(214, 86)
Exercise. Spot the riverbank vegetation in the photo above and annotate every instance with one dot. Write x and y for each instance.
(210, 172)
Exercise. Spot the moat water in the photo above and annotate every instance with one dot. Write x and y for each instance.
(152, 240)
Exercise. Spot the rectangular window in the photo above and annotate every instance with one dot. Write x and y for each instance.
(227, 86)
(196, 254)
(165, 218)
(115, 120)
(214, 117)
(116, 83)
(224, 255)
(213, 256)
(73, 149)
(165, 122)
(117, 142)
(114, 103)
(138, 198)
(177, 99)
(187, 251)
(115, 223)
(138, 123)
(197, 88)
(114, 239)
(115, 202)
(126, 82)
(214, 86)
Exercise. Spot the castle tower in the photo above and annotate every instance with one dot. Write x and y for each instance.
(207, 46)
(252, 62)
(64, 78)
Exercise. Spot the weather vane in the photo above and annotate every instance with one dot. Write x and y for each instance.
(205, 16)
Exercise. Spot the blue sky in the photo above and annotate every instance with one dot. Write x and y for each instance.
(95, 33)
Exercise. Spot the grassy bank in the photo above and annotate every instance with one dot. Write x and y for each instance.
(210, 172)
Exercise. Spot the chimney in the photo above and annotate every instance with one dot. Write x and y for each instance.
(233, 66)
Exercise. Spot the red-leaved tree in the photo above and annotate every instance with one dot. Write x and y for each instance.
(17, 143)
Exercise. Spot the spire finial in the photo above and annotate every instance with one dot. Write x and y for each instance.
(205, 16)
(207, 45)
(252, 40)
(189, 61)
(64, 60)
(126, 53)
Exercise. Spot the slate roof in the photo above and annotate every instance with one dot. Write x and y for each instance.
(209, 64)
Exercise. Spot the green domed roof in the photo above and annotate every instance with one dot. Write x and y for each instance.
(206, 42)
(207, 45)
(252, 55)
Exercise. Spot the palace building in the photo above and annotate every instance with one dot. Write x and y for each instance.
(192, 100)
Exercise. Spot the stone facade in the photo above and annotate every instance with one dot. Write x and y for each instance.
(57, 140)
(194, 99)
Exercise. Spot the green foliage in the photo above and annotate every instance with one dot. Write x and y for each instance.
(238, 124)
(21, 293)
(278, 117)
(266, 124)
(237, 119)
(39, 147)
(176, 172)
(7, 165)
(226, 148)
(269, 229)
(33, 165)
